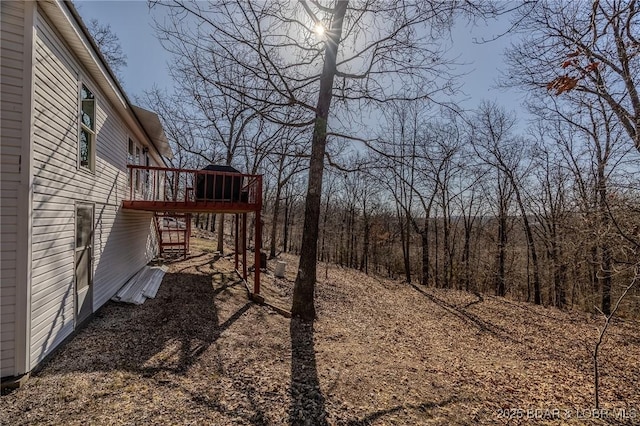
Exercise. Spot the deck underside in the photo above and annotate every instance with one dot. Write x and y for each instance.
(191, 206)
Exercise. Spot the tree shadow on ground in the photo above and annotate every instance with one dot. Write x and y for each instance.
(307, 402)
(167, 334)
(424, 408)
(469, 318)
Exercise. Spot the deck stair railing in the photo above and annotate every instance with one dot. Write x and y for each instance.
(173, 230)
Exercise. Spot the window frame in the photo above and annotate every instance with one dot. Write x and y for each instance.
(83, 128)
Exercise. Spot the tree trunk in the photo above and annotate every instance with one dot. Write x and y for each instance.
(285, 231)
(340, 253)
(274, 222)
(403, 221)
(466, 255)
(364, 261)
(425, 251)
(537, 294)
(353, 259)
(605, 249)
(502, 242)
(436, 271)
(304, 287)
(446, 231)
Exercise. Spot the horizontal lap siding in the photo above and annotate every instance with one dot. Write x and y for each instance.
(120, 238)
(11, 106)
(55, 135)
(124, 244)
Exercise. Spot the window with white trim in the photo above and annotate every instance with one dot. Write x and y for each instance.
(87, 139)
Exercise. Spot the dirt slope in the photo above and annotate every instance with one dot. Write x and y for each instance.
(381, 352)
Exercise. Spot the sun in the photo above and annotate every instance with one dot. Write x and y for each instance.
(319, 29)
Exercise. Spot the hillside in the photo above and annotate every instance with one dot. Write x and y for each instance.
(381, 352)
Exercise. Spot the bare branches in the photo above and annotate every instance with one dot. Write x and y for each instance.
(601, 334)
(109, 45)
(593, 51)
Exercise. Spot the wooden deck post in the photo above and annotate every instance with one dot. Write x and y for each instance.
(258, 249)
(244, 246)
(235, 256)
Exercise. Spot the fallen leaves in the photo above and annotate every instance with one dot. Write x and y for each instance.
(381, 352)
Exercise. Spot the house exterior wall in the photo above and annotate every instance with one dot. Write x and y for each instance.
(123, 241)
(15, 52)
(12, 57)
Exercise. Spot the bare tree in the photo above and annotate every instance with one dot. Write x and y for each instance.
(495, 145)
(551, 210)
(109, 45)
(286, 161)
(364, 54)
(591, 51)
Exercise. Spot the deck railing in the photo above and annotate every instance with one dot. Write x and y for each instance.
(160, 184)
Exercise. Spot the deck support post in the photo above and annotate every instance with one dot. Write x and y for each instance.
(187, 236)
(258, 249)
(244, 246)
(235, 256)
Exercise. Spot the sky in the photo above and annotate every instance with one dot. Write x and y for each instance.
(147, 61)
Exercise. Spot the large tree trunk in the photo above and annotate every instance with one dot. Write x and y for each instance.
(304, 287)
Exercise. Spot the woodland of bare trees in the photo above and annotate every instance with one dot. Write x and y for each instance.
(345, 108)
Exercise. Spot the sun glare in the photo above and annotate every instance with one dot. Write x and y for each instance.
(319, 29)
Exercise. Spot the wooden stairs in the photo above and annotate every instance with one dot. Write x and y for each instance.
(174, 230)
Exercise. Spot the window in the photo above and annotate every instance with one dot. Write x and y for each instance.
(137, 163)
(87, 128)
(130, 152)
(138, 156)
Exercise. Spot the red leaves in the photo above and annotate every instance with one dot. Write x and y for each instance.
(592, 66)
(562, 84)
(566, 82)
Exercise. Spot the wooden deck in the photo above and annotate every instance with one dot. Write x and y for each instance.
(189, 206)
(180, 191)
(161, 189)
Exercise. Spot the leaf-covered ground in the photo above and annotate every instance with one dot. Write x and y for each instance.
(381, 352)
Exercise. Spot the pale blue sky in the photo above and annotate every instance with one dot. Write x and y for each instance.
(147, 60)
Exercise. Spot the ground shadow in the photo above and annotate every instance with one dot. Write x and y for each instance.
(469, 318)
(425, 407)
(165, 334)
(307, 402)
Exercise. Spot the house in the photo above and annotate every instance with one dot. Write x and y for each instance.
(85, 192)
(68, 133)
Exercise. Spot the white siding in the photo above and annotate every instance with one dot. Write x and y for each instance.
(11, 64)
(123, 241)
